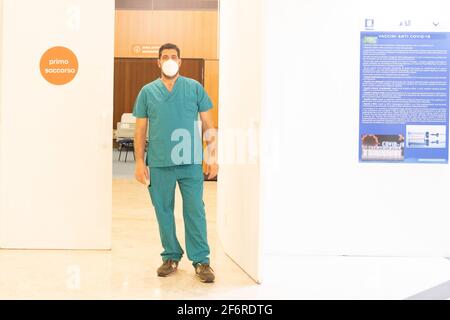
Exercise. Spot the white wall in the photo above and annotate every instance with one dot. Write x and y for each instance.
(240, 99)
(1, 61)
(55, 141)
(317, 198)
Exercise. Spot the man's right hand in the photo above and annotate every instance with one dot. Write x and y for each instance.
(141, 173)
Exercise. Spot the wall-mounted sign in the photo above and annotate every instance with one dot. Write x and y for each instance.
(145, 49)
(404, 97)
(59, 65)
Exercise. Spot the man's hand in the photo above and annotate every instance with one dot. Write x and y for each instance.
(141, 173)
(210, 137)
(211, 170)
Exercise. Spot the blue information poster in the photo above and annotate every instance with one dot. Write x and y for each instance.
(404, 97)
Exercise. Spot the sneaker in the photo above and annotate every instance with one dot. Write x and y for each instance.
(168, 267)
(204, 272)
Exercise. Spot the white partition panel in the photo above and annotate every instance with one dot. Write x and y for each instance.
(55, 140)
(240, 100)
(321, 200)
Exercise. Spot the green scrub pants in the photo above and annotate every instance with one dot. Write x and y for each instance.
(162, 193)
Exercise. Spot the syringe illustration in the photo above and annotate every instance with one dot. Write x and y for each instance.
(426, 134)
(425, 142)
(426, 139)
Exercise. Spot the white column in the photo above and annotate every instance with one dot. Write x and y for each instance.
(240, 102)
(56, 140)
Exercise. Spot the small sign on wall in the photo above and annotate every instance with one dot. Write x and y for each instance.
(59, 65)
(145, 50)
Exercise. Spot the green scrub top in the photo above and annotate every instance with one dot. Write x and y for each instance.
(174, 134)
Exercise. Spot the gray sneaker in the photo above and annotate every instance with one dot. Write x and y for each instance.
(168, 267)
(204, 272)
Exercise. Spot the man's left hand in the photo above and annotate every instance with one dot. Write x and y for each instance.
(211, 171)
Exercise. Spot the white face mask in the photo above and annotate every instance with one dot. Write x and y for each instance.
(170, 68)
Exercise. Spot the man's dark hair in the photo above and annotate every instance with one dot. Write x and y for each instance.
(169, 46)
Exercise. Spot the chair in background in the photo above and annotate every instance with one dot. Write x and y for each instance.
(125, 134)
(126, 145)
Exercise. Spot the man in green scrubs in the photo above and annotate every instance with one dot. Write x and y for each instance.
(171, 106)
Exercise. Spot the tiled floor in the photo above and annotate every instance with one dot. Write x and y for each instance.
(128, 270)
(349, 278)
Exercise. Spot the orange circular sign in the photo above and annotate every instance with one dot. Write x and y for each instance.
(59, 65)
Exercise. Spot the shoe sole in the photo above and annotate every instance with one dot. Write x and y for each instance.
(166, 275)
(204, 281)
